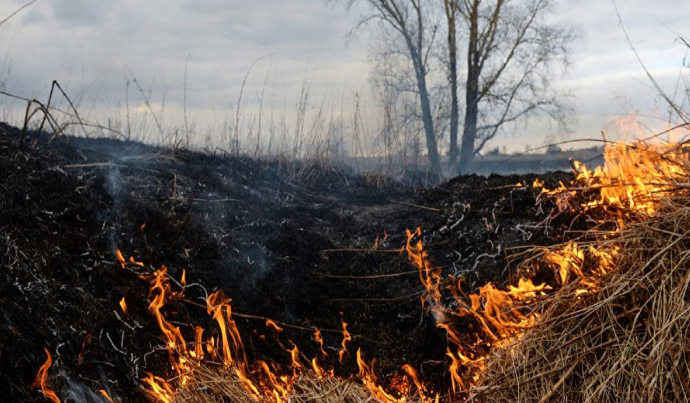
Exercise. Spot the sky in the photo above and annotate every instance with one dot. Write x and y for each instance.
(195, 55)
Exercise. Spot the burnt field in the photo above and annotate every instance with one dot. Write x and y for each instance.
(306, 246)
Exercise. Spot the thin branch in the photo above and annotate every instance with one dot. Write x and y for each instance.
(17, 11)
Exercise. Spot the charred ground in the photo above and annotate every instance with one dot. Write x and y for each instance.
(287, 241)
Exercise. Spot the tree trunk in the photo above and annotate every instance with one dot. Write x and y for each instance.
(469, 133)
(427, 117)
(429, 130)
(453, 67)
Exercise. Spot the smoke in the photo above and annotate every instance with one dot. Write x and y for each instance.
(77, 392)
(113, 183)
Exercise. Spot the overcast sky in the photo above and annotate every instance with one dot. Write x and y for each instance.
(93, 47)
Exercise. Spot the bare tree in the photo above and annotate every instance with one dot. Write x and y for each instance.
(511, 52)
(408, 20)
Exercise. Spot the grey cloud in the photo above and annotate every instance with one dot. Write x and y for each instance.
(88, 43)
(82, 12)
(33, 17)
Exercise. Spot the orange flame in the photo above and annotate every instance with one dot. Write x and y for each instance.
(106, 395)
(273, 325)
(421, 388)
(120, 258)
(346, 339)
(319, 340)
(319, 371)
(294, 354)
(123, 305)
(216, 304)
(198, 343)
(631, 181)
(42, 377)
(160, 389)
(366, 374)
(634, 176)
(491, 307)
(134, 262)
(177, 346)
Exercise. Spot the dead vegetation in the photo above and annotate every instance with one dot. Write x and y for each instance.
(627, 337)
(628, 341)
(216, 385)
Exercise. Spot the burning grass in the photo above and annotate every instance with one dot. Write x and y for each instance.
(602, 316)
(611, 324)
(626, 337)
(629, 340)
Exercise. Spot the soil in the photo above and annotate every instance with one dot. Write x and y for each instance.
(290, 241)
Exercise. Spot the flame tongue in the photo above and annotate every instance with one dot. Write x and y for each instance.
(42, 379)
(177, 346)
(346, 339)
(366, 374)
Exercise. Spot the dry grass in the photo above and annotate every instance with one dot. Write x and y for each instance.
(628, 342)
(216, 385)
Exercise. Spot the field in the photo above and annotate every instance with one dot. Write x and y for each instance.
(137, 273)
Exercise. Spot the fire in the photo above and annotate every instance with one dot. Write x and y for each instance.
(105, 394)
(198, 352)
(346, 339)
(294, 354)
(412, 373)
(634, 176)
(366, 374)
(258, 380)
(491, 307)
(218, 305)
(42, 378)
(567, 261)
(120, 258)
(377, 242)
(320, 371)
(177, 347)
(632, 181)
(272, 325)
(319, 340)
(123, 305)
(160, 389)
